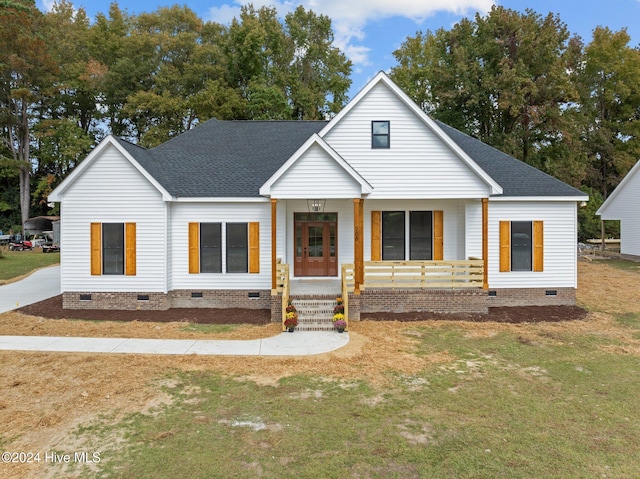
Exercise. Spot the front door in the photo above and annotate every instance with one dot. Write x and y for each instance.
(316, 244)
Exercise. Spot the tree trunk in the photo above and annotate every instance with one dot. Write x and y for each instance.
(25, 193)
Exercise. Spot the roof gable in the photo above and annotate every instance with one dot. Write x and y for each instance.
(413, 108)
(130, 152)
(326, 159)
(630, 181)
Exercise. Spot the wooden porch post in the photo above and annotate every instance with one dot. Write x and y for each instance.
(485, 243)
(358, 242)
(274, 215)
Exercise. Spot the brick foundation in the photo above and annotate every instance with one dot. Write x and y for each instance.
(432, 300)
(532, 297)
(220, 298)
(119, 301)
(249, 299)
(369, 301)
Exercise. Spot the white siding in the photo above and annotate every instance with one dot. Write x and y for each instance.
(473, 232)
(184, 213)
(316, 174)
(111, 190)
(560, 244)
(418, 164)
(625, 206)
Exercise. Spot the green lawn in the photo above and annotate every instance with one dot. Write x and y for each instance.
(506, 407)
(18, 263)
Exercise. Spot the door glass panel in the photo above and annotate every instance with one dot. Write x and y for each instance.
(315, 242)
(332, 239)
(308, 217)
(299, 241)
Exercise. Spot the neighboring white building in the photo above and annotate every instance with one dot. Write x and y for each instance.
(624, 205)
(206, 218)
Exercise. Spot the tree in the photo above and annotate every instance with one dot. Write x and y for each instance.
(27, 76)
(320, 72)
(609, 86)
(503, 78)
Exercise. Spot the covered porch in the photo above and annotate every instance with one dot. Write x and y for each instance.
(354, 268)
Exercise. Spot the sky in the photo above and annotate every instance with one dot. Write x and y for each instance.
(368, 31)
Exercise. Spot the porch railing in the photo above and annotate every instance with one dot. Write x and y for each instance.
(348, 286)
(423, 274)
(282, 286)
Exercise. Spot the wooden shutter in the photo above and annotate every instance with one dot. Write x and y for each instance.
(96, 249)
(505, 246)
(194, 248)
(254, 247)
(376, 231)
(538, 246)
(438, 235)
(130, 249)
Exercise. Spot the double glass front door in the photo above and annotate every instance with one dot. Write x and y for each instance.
(316, 251)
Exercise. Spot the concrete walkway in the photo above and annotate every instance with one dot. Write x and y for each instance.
(38, 286)
(45, 283)
(285, 344)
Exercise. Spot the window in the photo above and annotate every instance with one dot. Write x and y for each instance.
(521, 246)
(237, 248)
(113, 249)
(210, 247)
(389, 235)
(420, 235)
(380, 134)
(241, 248)
(393, 235)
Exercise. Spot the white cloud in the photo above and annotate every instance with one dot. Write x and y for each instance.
(46, 5)
(224, 13)
(350, 17)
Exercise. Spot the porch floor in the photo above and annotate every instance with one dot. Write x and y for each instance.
(303, 287)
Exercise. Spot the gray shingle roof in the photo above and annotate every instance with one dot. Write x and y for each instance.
(516, 177)
(234, 159)
(226, 158)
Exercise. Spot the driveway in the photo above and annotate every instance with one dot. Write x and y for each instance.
(42, 284)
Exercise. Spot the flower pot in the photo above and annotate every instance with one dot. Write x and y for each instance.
(341, 330)
(290, 330)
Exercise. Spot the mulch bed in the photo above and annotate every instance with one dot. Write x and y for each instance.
(515, 314)
(52, 308)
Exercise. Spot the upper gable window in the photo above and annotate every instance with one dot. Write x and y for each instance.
(380, 134)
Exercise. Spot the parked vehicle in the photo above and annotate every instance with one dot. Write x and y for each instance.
(41, 239)
(4, 239)
(20, 245)
(50, 248)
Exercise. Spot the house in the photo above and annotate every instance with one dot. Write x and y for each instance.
(623, 204)
(382, 204)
